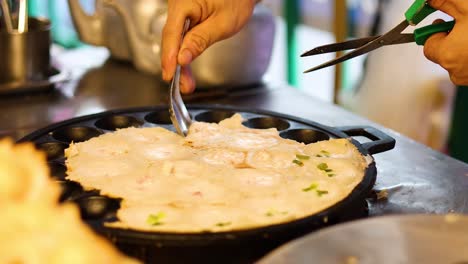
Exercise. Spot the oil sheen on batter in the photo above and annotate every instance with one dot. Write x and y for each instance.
(220, 177)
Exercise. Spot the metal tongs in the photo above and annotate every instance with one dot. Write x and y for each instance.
(6, 16)
(22, 17)
(417, 12)
(180, 117)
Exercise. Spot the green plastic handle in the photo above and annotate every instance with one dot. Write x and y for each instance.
(418, 11)
(422, 34)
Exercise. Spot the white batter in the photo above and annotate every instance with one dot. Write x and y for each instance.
(220, 177)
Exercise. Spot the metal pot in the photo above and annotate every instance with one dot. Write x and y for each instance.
(131, 29)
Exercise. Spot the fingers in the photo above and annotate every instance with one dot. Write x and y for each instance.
(198, 39)
(454, 8)
(171, 36)
(433, 47)
(187, 82)
(212, 21)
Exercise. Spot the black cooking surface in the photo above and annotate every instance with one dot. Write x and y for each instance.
(227, 247)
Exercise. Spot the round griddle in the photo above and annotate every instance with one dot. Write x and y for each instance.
(226, 247)
(429, 239)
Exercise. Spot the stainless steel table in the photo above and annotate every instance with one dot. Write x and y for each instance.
(417, 179)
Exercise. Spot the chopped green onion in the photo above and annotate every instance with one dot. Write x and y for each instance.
(298, 162)
(274, 212)
(323, 153)
(155, 219)
(221, 224)
(310, 188)
(322, 166)
(321, 192)
(302, 157)
(271, 212)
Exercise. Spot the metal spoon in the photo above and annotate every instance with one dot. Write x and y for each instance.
(180, 117)
(6, 16)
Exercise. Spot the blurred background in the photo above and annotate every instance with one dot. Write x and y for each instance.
(394, 86)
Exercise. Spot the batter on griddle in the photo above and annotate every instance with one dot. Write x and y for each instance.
(220, 177)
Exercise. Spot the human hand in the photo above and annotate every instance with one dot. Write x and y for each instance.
(450, 49)
(211, 21)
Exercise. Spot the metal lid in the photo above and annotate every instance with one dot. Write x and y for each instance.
(390, 239)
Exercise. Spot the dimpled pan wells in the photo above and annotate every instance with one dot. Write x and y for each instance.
(225, 247)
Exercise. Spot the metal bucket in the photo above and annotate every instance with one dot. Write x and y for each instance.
(25, 57)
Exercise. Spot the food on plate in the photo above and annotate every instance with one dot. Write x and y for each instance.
(220, 177)
(34, 228)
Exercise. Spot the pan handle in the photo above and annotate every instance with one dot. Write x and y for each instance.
(381, 142)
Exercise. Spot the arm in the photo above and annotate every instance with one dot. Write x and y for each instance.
(450, 49)
(211, 21)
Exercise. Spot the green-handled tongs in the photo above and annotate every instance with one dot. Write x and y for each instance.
(414, 15)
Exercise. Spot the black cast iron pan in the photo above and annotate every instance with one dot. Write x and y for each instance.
(225, 247)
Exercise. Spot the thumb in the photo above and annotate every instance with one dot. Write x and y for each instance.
(197, 40)
(433, 46)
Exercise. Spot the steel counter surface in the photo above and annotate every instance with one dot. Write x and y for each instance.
(415, 178)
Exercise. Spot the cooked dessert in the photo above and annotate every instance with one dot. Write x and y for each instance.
(220, 177)
(34, 228)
